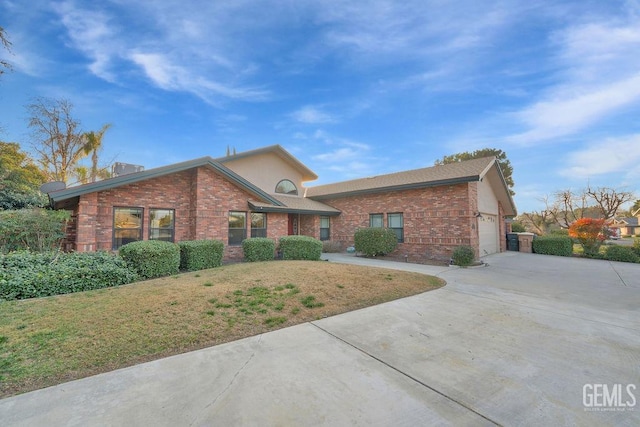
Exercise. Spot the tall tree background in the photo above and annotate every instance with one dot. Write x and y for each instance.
(57, 138)
(20, 179)
(503, 161)
(4, 41)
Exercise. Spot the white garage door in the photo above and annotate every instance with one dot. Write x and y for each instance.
(488, 233)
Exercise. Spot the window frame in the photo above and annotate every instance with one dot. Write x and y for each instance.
(259, 231)
(114, 238)
(293, 192)
(398, 230)
(376, 215)
(234, 242)
(328, 228)
(172, 228)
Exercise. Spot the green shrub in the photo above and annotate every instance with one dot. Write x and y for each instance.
(26, 274)
(553, 245)
(375, 241)
(517, 227)
(621, 253)
(36, 230)
(152, 258)
(300, 247)
(463, 256)
(636, 246)
(200, 254)
(258, 249)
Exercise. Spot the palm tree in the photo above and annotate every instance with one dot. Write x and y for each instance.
(93, 145)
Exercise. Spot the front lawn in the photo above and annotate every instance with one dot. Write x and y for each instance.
(51, 340)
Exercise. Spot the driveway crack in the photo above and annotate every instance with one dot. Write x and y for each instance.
(618, 274)
(407, 375)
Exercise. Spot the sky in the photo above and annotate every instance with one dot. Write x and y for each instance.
(351, 89)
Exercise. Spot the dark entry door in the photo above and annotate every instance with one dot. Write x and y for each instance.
(293, 224)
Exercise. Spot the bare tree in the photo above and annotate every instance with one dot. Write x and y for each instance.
(57, 137)
(4, 41)
(609, 200)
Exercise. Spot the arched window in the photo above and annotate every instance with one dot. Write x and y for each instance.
(286, 187)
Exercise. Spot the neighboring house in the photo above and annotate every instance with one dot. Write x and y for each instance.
(260, 193)
(627, 226)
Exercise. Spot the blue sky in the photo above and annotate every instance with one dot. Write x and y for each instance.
(352, 89)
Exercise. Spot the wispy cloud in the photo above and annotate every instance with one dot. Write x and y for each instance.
(310, 114)
(597, 75)
(611, 156)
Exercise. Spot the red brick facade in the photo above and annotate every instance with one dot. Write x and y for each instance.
(436, 219)
(200, 197)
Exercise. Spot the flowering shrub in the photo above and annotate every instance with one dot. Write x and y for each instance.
(590, 233)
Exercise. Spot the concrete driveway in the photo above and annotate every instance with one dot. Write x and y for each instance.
(528, 340)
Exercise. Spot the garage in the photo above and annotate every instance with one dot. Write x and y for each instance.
(488, 234)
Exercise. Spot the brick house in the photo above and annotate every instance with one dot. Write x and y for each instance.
(261, 193)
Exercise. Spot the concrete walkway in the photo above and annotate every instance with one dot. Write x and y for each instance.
(513, 343)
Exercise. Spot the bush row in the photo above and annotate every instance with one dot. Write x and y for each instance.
(553, 245)
(300, 247)
(28, 274)
(200, 254)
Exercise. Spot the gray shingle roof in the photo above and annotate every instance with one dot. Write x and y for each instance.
(294, 204)
(467, 171)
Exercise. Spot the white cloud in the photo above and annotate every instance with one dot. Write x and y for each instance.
(312, 115)
(612, 156)
(597, 75)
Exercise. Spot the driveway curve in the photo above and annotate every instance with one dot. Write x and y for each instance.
(526, 340)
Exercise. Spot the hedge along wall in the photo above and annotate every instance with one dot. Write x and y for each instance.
(375, 241)
(200, 254)
(300, 247)
(258, 249)
(152, 258)
(553, 245)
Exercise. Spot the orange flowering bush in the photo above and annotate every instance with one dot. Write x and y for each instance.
(590, 233)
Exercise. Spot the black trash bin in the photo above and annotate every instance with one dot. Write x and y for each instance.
(512, 242)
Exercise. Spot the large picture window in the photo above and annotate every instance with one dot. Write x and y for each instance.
(258, 224)
(237, 227)
(376, 221)
(161, 224)
(396, 223)
(127, 226)
(325, 231)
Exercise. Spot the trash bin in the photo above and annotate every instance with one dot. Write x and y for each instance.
(512, 242)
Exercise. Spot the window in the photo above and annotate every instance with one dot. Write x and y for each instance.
(396, 223)
(324, 228)
(258, 224)
(237, 227)
(375, 220)
(127, 226)
(161, 224)
(286, 187)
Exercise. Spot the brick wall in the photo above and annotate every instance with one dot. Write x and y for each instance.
(436, 219)
(201, 198)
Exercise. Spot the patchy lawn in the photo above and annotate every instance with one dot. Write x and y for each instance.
(48, 341)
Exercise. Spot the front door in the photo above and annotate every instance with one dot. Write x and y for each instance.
(293, 224)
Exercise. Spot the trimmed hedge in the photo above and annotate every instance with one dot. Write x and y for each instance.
(621, 253)
(463, 256)
(200, 254)
(152, 258)
(26, 274)
(553, 245)
(375, 241)
(37, 230)
(300, 247)
(636, 246)
(258, 249)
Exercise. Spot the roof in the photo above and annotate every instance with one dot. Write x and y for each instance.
(452, 173)
(307, 174)
(294, 204)
(108, 184)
